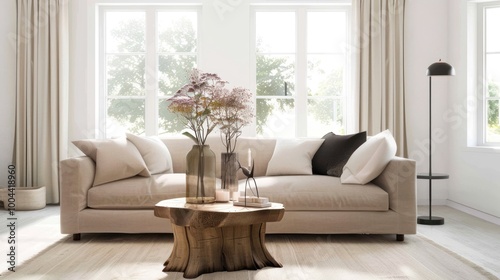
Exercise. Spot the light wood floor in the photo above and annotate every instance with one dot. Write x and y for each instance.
(475, 239)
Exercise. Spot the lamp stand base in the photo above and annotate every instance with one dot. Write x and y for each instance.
(433, 220)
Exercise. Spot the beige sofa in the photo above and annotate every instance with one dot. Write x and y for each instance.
(314, 204)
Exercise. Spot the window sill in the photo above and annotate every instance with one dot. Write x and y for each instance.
(483, 149)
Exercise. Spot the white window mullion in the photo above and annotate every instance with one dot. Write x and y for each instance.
(151, 72)
(481, 81)
(348, 99)
(301, 74)
(252, 128)
(101, 97)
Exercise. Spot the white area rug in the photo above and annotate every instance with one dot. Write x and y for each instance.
(122, 256)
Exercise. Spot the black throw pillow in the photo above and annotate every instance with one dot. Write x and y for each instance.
(333, 154)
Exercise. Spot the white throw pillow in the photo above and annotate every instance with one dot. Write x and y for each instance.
(370, 159)
(293, 156)
(154, 152)
(115, 159)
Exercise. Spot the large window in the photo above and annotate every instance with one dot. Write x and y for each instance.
(300, 62)
(489, 73)
(145, 55)
(301, 70)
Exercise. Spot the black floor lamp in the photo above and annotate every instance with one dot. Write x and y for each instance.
(436, 69)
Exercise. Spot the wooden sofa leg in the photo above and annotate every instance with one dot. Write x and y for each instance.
(400, 237)
(77, 236)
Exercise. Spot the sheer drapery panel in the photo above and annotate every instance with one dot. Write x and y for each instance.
(379, 78)
(42, 93)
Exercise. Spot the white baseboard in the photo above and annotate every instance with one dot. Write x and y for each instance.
(434, 201)
(473, 212)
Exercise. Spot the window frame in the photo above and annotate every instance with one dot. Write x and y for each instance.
(152, 96)
(301, 96)
(481, 94)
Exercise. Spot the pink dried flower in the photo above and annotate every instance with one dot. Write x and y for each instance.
(205, 103)
(232, 110)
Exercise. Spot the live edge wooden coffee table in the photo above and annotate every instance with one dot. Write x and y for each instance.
(217, 236)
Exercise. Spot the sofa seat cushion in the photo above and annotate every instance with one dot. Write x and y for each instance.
(137, 192)
(296, 192)
(320, 193)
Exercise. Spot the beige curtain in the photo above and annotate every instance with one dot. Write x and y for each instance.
(379, 27)
(42, 92)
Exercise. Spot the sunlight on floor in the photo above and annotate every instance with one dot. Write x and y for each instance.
(35, 232)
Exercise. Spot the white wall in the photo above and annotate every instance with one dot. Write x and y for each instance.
(226, 45)
(7, 85)
(474, 172)
(81, 94)
(438, 30)
(426, 29)
(227, 51)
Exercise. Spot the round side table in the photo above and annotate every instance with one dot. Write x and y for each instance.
(431, 220)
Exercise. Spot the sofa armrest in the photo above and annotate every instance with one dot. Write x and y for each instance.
(399, 180)
(76, 178)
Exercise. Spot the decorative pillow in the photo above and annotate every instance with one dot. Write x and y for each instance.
(115, 159)
(370, 159)
(334, 153)
(154, 152)
(293, 156)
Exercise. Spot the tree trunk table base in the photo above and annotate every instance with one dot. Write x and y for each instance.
(229, 238)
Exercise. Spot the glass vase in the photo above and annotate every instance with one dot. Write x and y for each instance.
(229, 178)
(200, 175)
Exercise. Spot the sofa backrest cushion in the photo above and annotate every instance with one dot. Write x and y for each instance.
(260, 150)
(333, 154)
(370, 159)
(115, 159)
(293, 156)
(155, 154)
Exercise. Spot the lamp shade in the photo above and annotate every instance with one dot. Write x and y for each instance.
(440, 68)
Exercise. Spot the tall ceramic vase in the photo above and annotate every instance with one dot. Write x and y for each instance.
(229, 169)
(200, 175)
